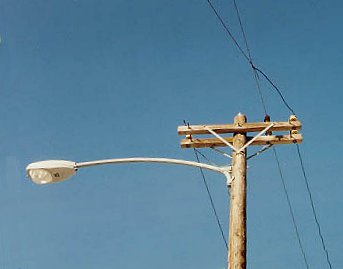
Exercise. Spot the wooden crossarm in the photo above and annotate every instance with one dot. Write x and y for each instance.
(262, 140)
(233, 128)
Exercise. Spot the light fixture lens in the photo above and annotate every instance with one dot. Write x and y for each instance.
(50, 171)
(40, 176)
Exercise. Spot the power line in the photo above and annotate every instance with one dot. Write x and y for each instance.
(313, 207)
(204, 156)
(259, 70)
(263, 149)
(298, 150)
(276, 88)
(258, 86)
(228, 30)
(245, 55)
(208, 191)
(211, 200)
(256, 77)
(296, 230)
(254, 69)
(242, 29)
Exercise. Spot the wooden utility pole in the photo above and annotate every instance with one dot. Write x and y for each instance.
(239, 143)
(237, 227)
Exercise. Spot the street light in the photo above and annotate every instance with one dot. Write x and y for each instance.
(52, 171)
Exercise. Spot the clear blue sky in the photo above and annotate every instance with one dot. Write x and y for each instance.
(83, 80)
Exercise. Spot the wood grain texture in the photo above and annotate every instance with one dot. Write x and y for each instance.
(245, 128)
(262, 140)
(237, 228)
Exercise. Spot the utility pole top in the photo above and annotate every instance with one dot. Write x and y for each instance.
(240, 118)
(239, 142)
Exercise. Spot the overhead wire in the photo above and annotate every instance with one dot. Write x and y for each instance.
(204, 156)
(211, 201)
(313, 206)
(246, 56)
(276, 88)
(256, 69)
(226, 28)
(256, 76)
(290, 207)
(242, 30)
(263, 149)
(291, 211)
(258, 87)
(196, 152)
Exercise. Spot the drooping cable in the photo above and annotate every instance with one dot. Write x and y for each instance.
(204, 156)
(211, 201)
(263, 149)
(226, 28)
(208, 191)
(256, 76)
(256, 69)
(258, 86)
(259, 70)
(313, 207)
(296, 230)
(242, 29)
(247, 58)
(276, 88)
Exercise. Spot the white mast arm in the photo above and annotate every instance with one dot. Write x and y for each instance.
(223, 170)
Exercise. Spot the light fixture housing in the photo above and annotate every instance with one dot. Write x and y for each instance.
(52, 171)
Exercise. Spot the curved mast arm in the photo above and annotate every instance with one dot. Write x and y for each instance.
(223, 170)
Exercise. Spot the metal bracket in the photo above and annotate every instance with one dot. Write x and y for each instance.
(227, 171)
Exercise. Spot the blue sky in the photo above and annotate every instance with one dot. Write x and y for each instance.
(84, 80)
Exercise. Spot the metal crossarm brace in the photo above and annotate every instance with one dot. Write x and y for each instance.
(258, 135)
(220, 138)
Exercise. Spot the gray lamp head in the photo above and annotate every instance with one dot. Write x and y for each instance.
(51, 171)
